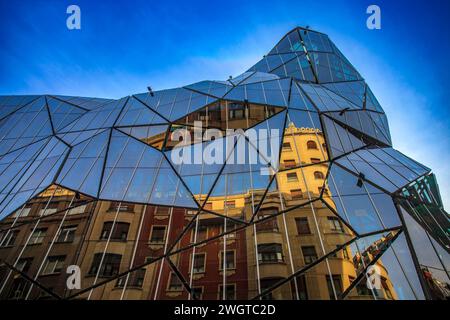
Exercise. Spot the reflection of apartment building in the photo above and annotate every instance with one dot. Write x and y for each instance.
(107, 238)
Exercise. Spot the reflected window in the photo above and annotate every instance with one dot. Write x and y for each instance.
(230, 204)
(287, 146)
(208, 206)
(50, 209)
(289, 163)
(109, 267)
(9, 238)
(199, 263)
(309, 254)
(318, 175)
(230, 292)
(270, 253)
(337, 283)
(292, 177)
(297, 194)
(311, 145)
(77, 210)
(38, 236)
(118, 231)
(315, 160)
(25, 212)
(174, 283)
(335, 224)
(54, 265)
(67, 234)
(197, 293)
(135, 279)
(202, 233)
(230, 258)
(158, 234)
(302, 225)
(24, 264)
(269, 224)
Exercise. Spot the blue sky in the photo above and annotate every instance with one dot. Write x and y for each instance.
(123, 47)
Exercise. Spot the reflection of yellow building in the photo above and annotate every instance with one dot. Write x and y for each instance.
(286, 243)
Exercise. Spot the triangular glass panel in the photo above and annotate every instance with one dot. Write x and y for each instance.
(213, 88)
(74, 138)
(82, 170)
(104, 116)
(27, 125)
(273, 92)
(315, 41)
(259, 77)
(62, 113)
(340, 140)
(353, 91)
(298, 100)
(364, 207)
(298, 68)
(35, 177)
(9, 104)
(290, 43)
(136, 113)
(83, 102)
(372, 102)
(154, 136)
(326, 100)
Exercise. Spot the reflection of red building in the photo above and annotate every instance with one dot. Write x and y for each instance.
(207, 268)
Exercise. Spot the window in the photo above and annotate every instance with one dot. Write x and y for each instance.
(51, 209)
(230, 204)
(120, 206)
(175, 283)
(302, 225)
(315, 160)
(197, 293)
(163, 211)
(118, 231)
(302, 288)
(110, 266)
(67, 234)
(318, 175)
(202, 233)
(229, 260)
(289, 163)
(199, 263)
(286, 146)
(345, 253)
(292, 177)
(24, 264)
(311, 145)
(208, 206)
(54, 265)
(270, 253)
(297, 194)
(309, 254)
(335, 224)
(135, 279)
(158, 234)
(38, 236)
(266, 284)
(230, 292)
(22, 212)
(268, 225)
(337, 285)
(9, 238)
(77, 210)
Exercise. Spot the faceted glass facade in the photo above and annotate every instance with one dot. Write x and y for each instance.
(89, 188)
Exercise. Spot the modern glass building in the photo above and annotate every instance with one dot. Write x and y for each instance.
(305, 199)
